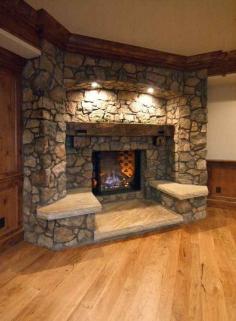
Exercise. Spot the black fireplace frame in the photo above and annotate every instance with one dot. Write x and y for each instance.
(96, 169)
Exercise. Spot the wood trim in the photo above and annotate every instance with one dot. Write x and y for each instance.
(115, 129)
(13, 64)
(217, 62)
(22, 20)
(19, 18)
(222, 174)
(50, 29)
(221, 203)
(11, 61)
(116, 50)
(221, 161)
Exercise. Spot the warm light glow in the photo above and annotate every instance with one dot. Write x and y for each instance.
(95, 84)
(91, 95)
(150, 90)
(145, 100)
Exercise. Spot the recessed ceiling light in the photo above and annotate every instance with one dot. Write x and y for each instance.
(150, 90)
(95, 84)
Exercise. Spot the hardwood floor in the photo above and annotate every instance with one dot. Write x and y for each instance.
(186, 274)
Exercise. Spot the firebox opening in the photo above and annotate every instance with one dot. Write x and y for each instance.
(116, 172)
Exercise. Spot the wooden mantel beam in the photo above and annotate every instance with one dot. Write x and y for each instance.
(116, 129)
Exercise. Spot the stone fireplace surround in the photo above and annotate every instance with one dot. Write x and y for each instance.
(56, 92)
(156, 154)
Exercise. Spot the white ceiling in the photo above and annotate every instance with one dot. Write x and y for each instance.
(179, 26)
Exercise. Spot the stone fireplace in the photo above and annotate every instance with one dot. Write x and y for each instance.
(161, 137)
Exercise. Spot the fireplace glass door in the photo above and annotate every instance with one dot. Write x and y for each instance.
(116, 171)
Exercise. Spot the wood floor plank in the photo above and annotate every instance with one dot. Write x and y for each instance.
(182, 284)
(14, 261)
(226, 258)
(103, 287)
(146, 302)
(213, 300)
(164, 308)
(186, 274)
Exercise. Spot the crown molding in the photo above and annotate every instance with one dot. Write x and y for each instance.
(130, 53)
(30, 25)
(50, 29)
(217, 62)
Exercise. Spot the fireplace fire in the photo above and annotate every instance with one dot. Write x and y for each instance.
(116, 172)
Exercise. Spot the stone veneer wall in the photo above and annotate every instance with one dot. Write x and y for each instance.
(191, 209)
(48, 104)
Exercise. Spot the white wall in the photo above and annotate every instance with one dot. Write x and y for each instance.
(221, 139)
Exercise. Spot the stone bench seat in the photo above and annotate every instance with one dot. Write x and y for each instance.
(75, 203)
(179, 191)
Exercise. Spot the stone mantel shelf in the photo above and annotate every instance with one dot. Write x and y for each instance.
(179, 191)
(118, 129)
(75, 203)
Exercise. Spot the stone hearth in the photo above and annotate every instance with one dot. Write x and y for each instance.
(133, 217)
(57, 93)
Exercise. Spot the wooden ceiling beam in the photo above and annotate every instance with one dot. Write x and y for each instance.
(19, 18)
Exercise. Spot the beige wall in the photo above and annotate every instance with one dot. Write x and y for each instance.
(221, 139)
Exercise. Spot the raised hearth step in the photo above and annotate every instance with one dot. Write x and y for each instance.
(75, 203)
(124, 218)
(179, 191)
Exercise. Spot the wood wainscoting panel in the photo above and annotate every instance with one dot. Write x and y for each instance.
(10, 149)
(222, 183)
(10, 195)
(8, 124)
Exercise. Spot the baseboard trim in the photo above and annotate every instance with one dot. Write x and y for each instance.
(221, 203)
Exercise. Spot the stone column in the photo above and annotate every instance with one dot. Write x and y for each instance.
(192, 129)
(43, 136)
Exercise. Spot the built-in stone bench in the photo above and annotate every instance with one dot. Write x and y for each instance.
(69, 221)
(75, 203)
(185, 199)
(72, 221)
